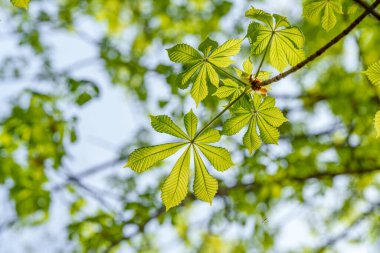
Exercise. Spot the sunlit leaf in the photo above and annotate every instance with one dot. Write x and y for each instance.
(184, 53)
(283, 42)
(164, 124)
(175, 187)
(208, 136)
(373, 73)
(261, 115)
(202, 70)
(144, 158)
(191, 123)
(220, 158)
(205, 186)
(207, 46)
(377, 124)
(21, 3)
(327, 8)
(251, 139)
(199, 90)
(235, 124)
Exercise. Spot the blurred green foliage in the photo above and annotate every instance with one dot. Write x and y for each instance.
(309, 166)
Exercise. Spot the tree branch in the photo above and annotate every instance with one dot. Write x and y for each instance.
(367, 7)
(347, 230)
(252, 186)
(323, 49)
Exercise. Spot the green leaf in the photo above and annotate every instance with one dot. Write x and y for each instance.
(212, 75)
(248, 66)
(208, 136)
(164, 124)
(21, 3)
(205, 186)
(268, 133)
(235, 124)
(273, 116)
(207, 46)
(184, 53)
(175, 187)
(286, 48)
(260, 15)
(314, 10)
(191, 123)
(229, 87)
(144, 158)
(251, 139)
(202, 70)
(220, 158)
(377, 124)
(262, 115)
(199, 90)
(373, 73)
(228, 49)
(184, 78)
(284, 42)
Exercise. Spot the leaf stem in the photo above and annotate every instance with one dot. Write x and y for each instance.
(265, 53)
(219, 114)
(323, 49)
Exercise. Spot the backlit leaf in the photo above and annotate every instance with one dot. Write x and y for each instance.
(251, 139)
(164, 124)
(144, 158)
(208, 136)
(184, 53)
(191, 123)
(261, 115)
(21, 3)
(207, 46)
(175, 187)
(284, 42)
(199, 90)
(205, 186)
(373, 73)
(220, 158)
(377, 124)
(327, 8)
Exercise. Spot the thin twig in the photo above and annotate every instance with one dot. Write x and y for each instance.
(367, 7)
(322, 49)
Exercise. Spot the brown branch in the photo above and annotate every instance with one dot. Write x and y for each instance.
(323, 49)
(374, 13)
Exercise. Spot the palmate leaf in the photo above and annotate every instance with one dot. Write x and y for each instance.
(325, 8)
(21, 3)
(284, 42)
(175, 187)
(202, 69)
(262, 115)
